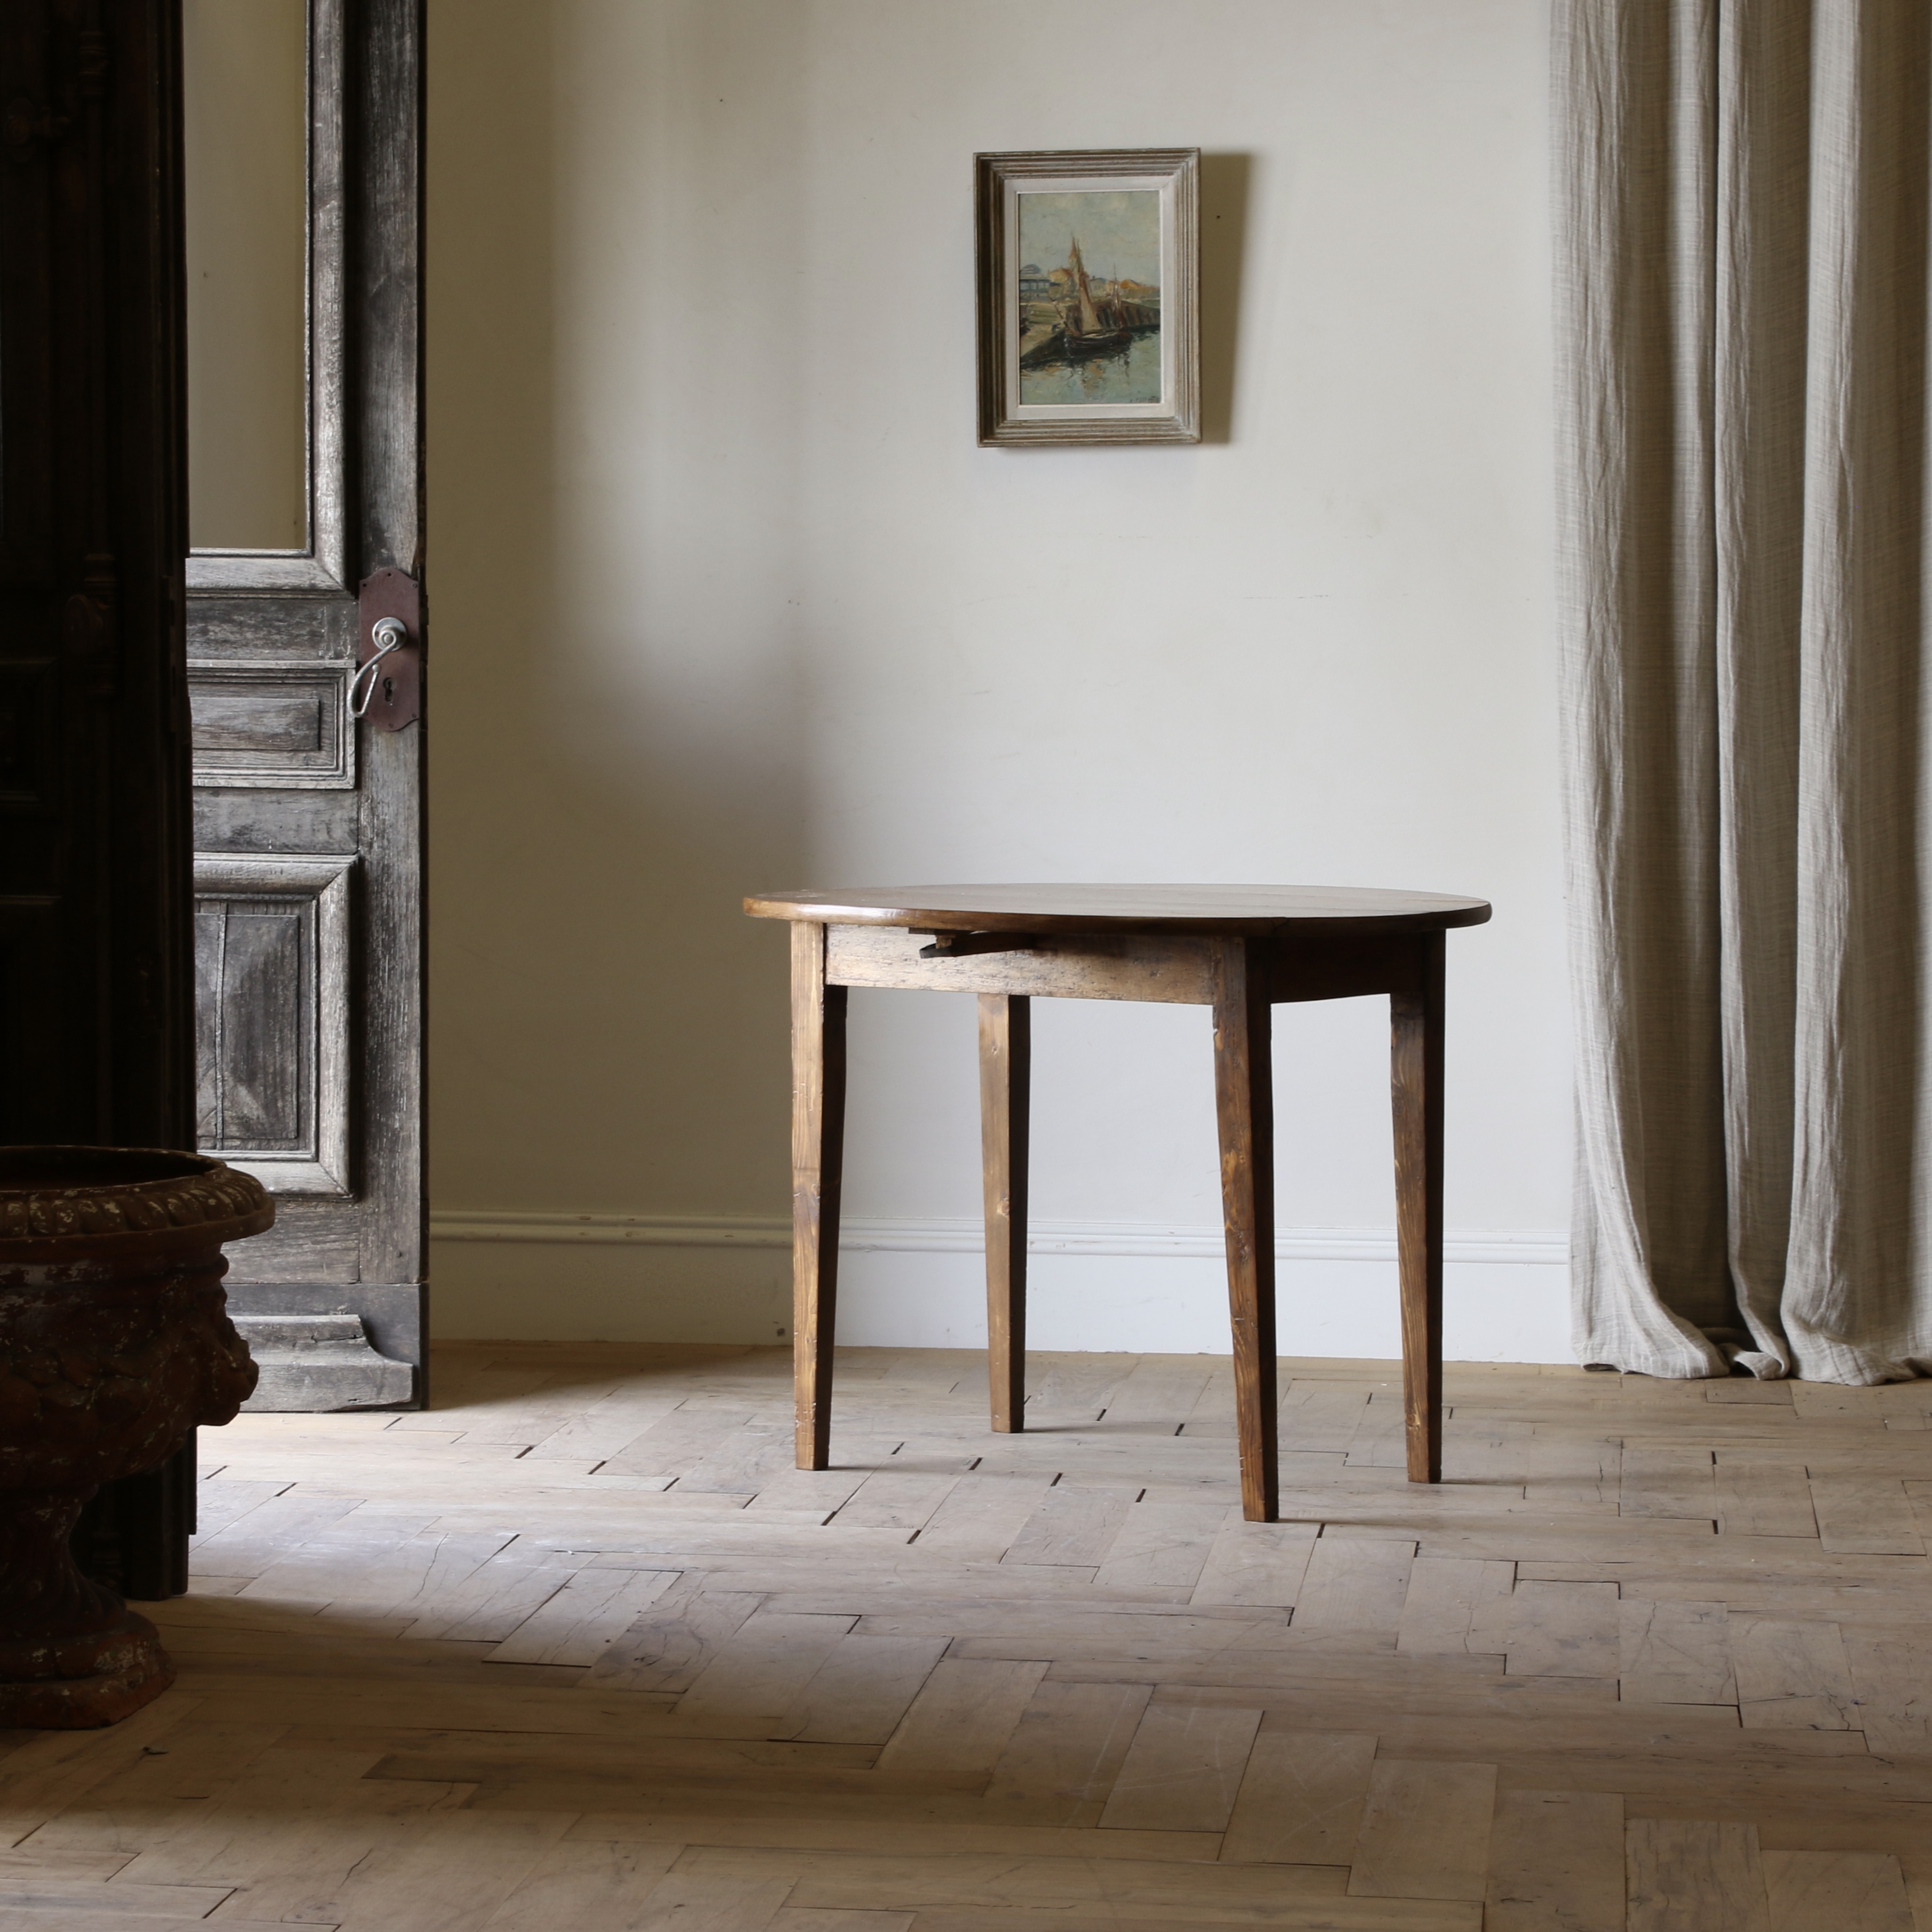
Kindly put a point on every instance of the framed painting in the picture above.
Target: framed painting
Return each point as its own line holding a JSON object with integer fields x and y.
{"x": 1089, "y": 268}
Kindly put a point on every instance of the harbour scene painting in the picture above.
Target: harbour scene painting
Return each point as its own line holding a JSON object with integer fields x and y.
{"x": 1087, "y": 265}
{"x": 1090, "y": 296}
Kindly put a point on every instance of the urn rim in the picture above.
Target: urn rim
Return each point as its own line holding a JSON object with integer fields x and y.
{"x": 61, "y": 1203}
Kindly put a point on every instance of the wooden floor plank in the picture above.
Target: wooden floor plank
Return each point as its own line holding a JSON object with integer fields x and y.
{"x": 269, "y": 1533}
{"x": 761, "y": 1672}
{"x": 1356, "y": 1586}
{"x": 1159, "y": 1393}
{"x": 1425, "y": 1831}
{"x": 220, "y": 1501}
{"x": 1667, "y": 1480}
{"x": 1919, "y": 1890}
{"x": 1556, "y": 1863}
{"x": 816, "y": 1918}
{"x": 1066, "y": 1752}
{"x": 1289, "y": 1915}
{"x": 51, "y": 1770}
{"x": 981, "y": 1515}
{"x": 1674, "y": 1653}
{"x": 1255, "y": 1563}
{"x": 308, "y": 1867}
{"x": 224, "y": 1842}
{"x": 1791, "y": 1675}
{"x": 589, "y": 1886}
{"x": 1072, "y": 1888}
{"x": 73, "y": 1900}
{"x": 959, "y": 1725}
{"x": 1379, "y": 1440}
{"x": 1564, "y": 1629}
{"x": 683, "y": 1440}
{"x": 577, "y": 1624}
{"x": 1763, "y": 1499}
{"x": 1891, "y": 1672}
{"x": 1066, "y": 1386}
{"x": 1685, "y": 1875}
{"x": 710, "y": 1901}
{"x": 927, "y": 1824}
{"x": 491, "y": 1603}
{"x": 1836, "y": 1892}
{"x": 41, "y": 1918}
{"x": 1457, "y": 1606}
{"x": 674, "y": 1641}
{"x": 896, "y": 1499}
{"x": 168, "y": 1789}
{"x": 1865, "y": 1514}
{"x": 1183, "y": 1769}
{"x": 1160, "y": 1546}
{"x": 1301, "y": 1797}
{"x": 1073, "y": 1524}
{"x": 1320, "y": 1416}
{"x": 819, "y": 1493}
{"x": 860, "y": 1694}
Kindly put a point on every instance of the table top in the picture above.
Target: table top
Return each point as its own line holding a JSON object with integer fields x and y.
{"x": 1250, "y": 911}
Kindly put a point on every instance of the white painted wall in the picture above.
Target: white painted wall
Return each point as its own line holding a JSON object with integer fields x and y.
{"x": 726, "y": 597}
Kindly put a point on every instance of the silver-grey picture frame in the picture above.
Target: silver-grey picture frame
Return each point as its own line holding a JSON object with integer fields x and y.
{"x": 1094, "y": 337}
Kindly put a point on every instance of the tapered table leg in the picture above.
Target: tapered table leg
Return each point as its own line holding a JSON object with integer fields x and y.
{"x": 1244, "y": 1099}
{"x": 1006, "y": 1073}
{"x": 817, "y": 1154}
{"x": 1416, "y": 1067}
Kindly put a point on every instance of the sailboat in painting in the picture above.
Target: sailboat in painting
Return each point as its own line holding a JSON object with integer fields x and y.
{"x": 1088, "y": 326}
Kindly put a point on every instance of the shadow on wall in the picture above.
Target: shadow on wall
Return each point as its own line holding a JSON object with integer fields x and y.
{"x": 606, "y": 1031}
{"x": 1224, "y": 225}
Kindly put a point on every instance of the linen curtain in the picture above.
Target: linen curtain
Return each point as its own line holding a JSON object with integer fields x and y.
{"x": 1743, "y": 189}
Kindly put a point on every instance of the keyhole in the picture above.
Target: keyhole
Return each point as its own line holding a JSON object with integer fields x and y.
{"x": 388, "y": 691}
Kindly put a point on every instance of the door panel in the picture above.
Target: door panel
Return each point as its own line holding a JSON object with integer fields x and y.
{"x": 273, "y": 725}
{"x": 308, "y": 821}
{"x": 273, "y": 965}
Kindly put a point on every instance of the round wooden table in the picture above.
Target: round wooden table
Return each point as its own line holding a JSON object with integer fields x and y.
{"x": 1240, "y": 949}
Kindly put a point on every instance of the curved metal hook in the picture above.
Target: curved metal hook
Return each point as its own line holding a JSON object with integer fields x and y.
{"x": 389, "y": 634}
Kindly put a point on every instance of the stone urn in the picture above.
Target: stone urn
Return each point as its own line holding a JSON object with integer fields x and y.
{"x": 114, "y": 1342}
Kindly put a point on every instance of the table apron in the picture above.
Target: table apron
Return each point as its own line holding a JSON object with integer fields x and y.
{"x": 1153, "y": 967}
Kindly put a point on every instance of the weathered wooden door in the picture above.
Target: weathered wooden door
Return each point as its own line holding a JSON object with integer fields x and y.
{"x": 303, "y": 145}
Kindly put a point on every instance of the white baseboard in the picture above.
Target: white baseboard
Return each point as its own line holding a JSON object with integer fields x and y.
{"x": 881, "y": 1234}
{"x": 1146, "y": 1287}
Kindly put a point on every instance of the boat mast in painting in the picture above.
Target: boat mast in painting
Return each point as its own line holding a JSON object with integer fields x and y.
{"x": 1083, "y": 330}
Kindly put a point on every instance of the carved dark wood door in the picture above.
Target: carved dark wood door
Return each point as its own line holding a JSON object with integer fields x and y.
{"x": 303, "y": 140}
{"x": 94, "y": 1046}
{"x": 96, "y": 1013}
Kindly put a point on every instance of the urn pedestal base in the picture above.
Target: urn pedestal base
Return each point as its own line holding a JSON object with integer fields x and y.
{"x": 82, "y": 1683}
{"x": 73, "y": 1656}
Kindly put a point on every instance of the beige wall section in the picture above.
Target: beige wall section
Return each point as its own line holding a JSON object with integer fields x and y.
{"x": 725, "y": 596}
{"x": 246, "y": 106}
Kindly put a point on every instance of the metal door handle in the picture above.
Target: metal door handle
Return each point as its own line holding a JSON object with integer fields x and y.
{"x": 389, "y": 634}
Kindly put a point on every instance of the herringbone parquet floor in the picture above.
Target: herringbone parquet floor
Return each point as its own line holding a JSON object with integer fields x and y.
{"x": 578, "y": 1651}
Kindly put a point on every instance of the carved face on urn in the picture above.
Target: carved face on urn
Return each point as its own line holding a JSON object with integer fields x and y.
{"x": 115, "y": 1340}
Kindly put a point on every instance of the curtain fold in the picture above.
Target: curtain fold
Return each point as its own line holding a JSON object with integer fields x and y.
{"x": 1744, "y": 190}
